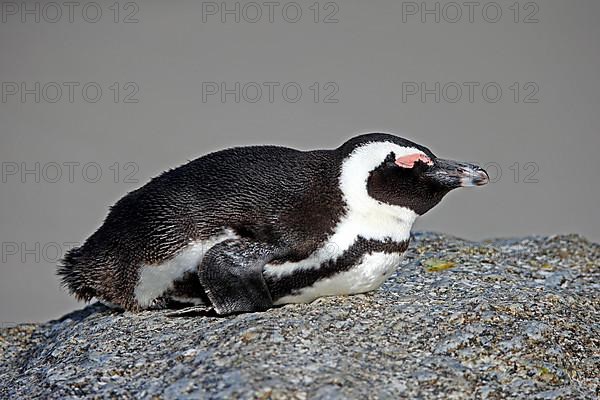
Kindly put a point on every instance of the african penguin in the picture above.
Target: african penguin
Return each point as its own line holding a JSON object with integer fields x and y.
{"x": 247, "y": 228}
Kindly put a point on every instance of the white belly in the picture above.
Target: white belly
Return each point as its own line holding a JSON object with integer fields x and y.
{"x": 154, "y": 280}
{"x": 372, "y": 270}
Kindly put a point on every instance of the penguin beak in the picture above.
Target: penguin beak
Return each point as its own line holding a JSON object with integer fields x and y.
{"x": 453, "y": 174}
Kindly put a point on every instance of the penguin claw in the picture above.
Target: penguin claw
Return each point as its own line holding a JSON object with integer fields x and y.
{"x": 194, "y": 311}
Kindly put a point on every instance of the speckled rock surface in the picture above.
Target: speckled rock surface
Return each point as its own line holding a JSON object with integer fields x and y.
{"x": 494, "y": 319}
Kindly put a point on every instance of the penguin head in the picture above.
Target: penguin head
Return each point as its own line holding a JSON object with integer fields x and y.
{"x": 397, "y": 172}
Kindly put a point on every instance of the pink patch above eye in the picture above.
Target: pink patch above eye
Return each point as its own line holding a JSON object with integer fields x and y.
{"x": 408, "y": 161}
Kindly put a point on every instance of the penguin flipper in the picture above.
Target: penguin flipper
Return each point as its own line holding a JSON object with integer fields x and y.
{"x": 231, "y": 275}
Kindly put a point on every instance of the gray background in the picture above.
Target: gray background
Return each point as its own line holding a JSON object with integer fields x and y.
{"x": 367, "y": 54}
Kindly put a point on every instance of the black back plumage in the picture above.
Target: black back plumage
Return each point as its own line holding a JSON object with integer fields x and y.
{"x": 268, "y": 193}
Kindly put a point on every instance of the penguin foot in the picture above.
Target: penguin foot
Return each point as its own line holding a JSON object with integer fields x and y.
{"x": 231, "y": 275}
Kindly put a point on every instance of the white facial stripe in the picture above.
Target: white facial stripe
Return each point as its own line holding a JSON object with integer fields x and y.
{"x": 154, "y": 280}
{"x": 357, "y": 167}
{"x": 365, "y": 217}
{"x": 368, "y": 275}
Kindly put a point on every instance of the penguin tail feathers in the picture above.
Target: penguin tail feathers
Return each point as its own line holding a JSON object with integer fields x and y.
{"x": 72, "y": 271}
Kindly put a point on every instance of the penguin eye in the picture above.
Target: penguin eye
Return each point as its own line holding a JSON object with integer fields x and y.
{"x": 390, "y": 160}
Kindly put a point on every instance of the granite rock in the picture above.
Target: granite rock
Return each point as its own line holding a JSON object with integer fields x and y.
{"x": 504, "y": 319}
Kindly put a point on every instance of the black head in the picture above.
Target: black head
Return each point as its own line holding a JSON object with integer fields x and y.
{"x": 402, "y": 173}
